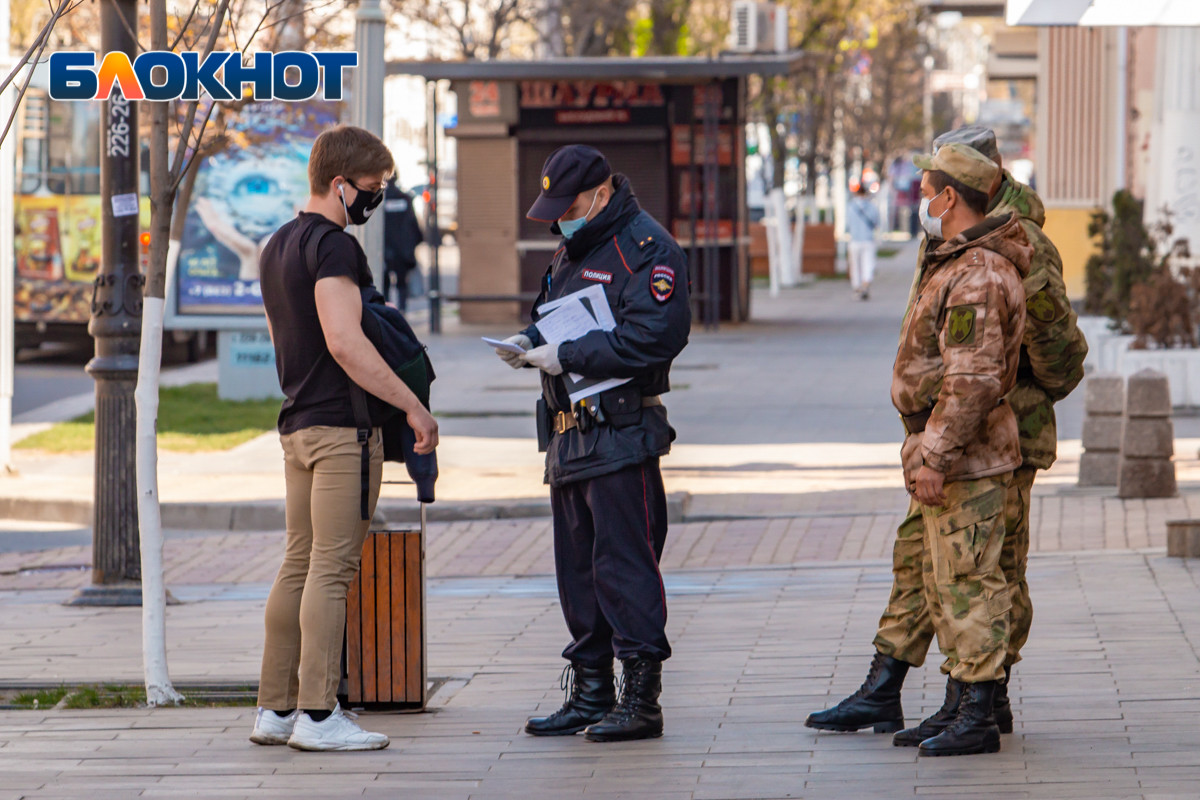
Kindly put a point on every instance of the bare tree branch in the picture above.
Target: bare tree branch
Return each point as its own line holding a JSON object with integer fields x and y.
{"x": 307, "y": 9}
{"x": 183, "y": 27}
{"x": 181, "y": 147}
{"x": 125, "y": 24}
{"x": 197, "y": 151}
{"x": 44, "y": 40}
{"x": 39, "y": 41}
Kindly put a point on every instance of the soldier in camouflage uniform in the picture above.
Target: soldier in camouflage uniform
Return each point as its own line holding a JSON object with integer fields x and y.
{"x": 957, "y": 360}
{"x": 1050, "y": 367}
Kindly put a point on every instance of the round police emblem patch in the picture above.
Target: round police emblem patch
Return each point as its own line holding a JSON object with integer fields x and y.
{"x": 545, "y": 181}
{"x": 662, "y": 282}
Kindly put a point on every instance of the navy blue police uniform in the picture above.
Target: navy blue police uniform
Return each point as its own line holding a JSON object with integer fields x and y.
{"x": 610, "y": 509}
{"x": 606, "y": 488}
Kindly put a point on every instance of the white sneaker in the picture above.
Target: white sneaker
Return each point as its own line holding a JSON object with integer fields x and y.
{"x": 337, "y": 732}
{"x": 270, "y": 728}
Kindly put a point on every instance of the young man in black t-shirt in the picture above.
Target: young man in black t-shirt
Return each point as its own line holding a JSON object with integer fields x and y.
{"x": 314, "y": 313}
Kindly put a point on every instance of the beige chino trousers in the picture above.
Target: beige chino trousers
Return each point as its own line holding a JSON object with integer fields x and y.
{"x": 306, "y": 610}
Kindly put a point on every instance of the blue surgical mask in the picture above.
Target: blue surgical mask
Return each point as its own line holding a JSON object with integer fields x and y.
{"x": 570, "y": 227}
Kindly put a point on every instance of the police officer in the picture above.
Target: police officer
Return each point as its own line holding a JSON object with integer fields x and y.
{"x": 602, "y": 454}
{"x": 401, "y": 235}
{"x": 1051, "y": 366}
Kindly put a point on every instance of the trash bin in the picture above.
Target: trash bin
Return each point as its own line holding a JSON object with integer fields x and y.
{"x": 384, "y": 657}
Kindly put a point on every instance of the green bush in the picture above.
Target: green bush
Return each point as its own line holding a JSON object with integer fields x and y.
{"x": 1127, "y": 257}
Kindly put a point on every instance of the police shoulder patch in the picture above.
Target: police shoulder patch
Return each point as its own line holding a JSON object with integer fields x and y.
{"x": 662, "y": 282}
{"x": 960, "y": 326}
{"x": 1040, "y": 306}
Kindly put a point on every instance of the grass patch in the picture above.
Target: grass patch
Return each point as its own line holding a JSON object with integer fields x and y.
{"x": 190, "y": 419}
{"x": 887, "y": 252}
{"x": 44, "y": 698}
{"x": 109, "y": 696}
{"x": 127, "y": 696}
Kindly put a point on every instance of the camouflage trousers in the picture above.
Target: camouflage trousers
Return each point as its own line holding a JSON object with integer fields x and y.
{"x": 907, "y": 626}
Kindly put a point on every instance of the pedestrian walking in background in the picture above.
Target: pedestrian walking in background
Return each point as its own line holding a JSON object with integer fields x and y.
{"x": 401, "y": 235}
{"x": 862, "y": 220}
{"x": 602, "y": 453}
{"x": 314, "y": 313}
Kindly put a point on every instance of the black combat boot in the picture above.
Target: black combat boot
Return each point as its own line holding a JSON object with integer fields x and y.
{"x": 877, "y": 701}
{"x": 1003, "y": 708}
{"x": 941, "y": 719}
{"x": 637, "y": 715}
{"x": 590, "y": 695}
{"x": 973, "y": 729}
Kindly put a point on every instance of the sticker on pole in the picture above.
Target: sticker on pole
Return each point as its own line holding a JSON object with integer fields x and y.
{"x": 125, "y": 205}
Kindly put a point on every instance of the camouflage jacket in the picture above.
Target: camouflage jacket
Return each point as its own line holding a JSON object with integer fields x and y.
{"x": 1052, "y": 353}
{"x": 959, "y": 351}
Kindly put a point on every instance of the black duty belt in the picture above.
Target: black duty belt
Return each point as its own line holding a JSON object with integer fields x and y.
{"x": 915, "y": 423}
{"x": 565, "y": 421}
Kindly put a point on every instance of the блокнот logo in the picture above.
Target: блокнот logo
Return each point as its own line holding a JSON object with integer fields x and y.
{"x": 159, "y": 75}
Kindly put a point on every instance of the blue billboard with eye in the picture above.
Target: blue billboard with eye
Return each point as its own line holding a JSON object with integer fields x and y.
{"x": 243, "y": 194}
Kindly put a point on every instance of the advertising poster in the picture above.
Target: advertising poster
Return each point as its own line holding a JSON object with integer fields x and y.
{"x": 242, "y": 195}
{"x": 57, "y": 249}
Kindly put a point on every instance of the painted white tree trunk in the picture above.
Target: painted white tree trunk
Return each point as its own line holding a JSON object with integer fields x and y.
{"x": 159, "y": 690}
{"x": 783, "y": 240}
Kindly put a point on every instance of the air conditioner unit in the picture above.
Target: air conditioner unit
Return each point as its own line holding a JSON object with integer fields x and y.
{"x": 758, "y": 27}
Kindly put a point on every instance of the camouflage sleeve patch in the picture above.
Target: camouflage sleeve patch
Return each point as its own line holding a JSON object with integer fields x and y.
{"x": 1041, "y": 307}
{"x": 962, "y": 326}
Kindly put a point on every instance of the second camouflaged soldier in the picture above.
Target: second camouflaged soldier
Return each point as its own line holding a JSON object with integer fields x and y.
{"x": 957, "y": 360}
{"x": 1050, "y": 367}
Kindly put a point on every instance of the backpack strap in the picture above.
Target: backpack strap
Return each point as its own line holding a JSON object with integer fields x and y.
{"x": 358, "y": 398}
{"x": 362, "y": 422}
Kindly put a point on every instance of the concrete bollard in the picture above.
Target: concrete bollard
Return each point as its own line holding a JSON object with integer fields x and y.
{"x": 1148, "y": 440}
{"x": 1183, "y": 538}
{"x": 1104, "y": 402}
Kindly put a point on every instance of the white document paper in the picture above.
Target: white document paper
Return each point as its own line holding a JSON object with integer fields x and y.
{"x": 507, "y": 347}
{"x": 594, "y": 300}
{"x": 570, "y": 317}
{"x": 567, "y": 322}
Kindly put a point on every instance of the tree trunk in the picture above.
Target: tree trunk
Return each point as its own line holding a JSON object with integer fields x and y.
{"x": 159, "y": 690}
{"x": 771, "y": 105}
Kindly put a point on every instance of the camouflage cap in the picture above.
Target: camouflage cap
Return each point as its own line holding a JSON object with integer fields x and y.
{"x": 965, "y": 164}
{"x": 976, "y": 137}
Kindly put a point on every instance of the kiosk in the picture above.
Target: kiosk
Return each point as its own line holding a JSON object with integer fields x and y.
{"x": 675, "y": 126}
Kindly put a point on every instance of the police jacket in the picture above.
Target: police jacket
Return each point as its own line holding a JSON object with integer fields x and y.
{"x": 645, "y": 277}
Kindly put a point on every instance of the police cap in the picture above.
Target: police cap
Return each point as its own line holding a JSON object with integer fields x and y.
{"x": 568, "y": 172}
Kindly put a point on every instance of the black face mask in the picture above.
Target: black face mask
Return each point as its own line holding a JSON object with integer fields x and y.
{"x": 358, "y": 212}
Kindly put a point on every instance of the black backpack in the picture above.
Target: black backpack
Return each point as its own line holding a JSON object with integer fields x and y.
{"x": 393, "y": 337}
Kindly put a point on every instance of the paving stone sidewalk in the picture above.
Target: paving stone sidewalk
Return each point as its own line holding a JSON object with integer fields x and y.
{"x": 852, "y": 525}
{"x": 1105, "y": 700}
{"x": 774, "y": 585}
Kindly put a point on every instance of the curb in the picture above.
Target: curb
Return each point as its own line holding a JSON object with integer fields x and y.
{"x": 268, "y": 515}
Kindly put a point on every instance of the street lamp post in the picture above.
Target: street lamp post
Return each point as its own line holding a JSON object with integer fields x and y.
{"x": 366, "y": 107}
{"x": 116, "y": 327}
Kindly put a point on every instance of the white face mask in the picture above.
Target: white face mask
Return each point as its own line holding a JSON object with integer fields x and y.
{"x": 932, "y": 225}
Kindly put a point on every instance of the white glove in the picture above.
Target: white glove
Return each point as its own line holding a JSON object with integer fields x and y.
{"x": 544, "y": 358}
{"x": 514, "y": 359}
